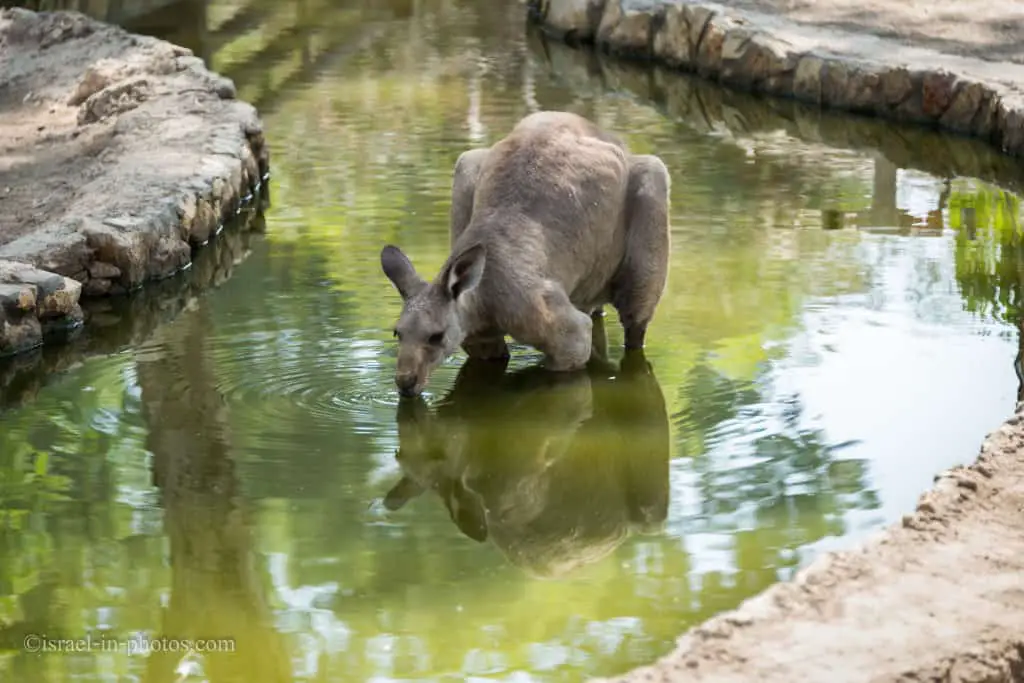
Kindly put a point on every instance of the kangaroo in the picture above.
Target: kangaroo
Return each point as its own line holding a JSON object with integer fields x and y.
{"x": 546, "y": 226}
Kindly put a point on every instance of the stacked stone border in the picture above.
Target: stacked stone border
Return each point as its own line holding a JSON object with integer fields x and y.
{"x": 759, "y": 53}
{"x": 149, "y": 222}
{"x": 121, "y": 323}
{"x": 709, "y": 109}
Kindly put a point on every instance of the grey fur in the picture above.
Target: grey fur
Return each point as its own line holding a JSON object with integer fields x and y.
{"x": 547, "y": 226}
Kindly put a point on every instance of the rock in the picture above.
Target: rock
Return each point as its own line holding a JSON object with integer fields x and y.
{"x": 17, "y": 299}
{"x": 758, "y": 62}
{"x": 115, "y": 99}
{"x": 136, "y": 221}
{"x": 936, "y": 93}
{"x": 709, "y": 49}
{"x": 575, "y": 20}
{"x": 672, "y": 38}
{"x": 61, "y": 302}
{"x": 168, "y": 257}
{"x": 96, "y": 287}
{"x": 897, "y": 85}
{"x": 126, "y": 250}
{"x": 186, "y": 214}
{"x": 985, "y": 124}
{"x": 224, "y": 87}
{"x": 807, "y": 79}
{"x": 205, "y": 222}
{"x": 850, "y": 86}
{"x": 834, "y": 67}
{"x": 625, "y": 27}
{"x": 100, "y": 269}
{"x": 1010, "y": 123}
{"x": 45, "y": 284}
{"x": 697, "y": 18}
{"x": 58, "y": 28}
{"x": 19, "y": 336}
{"x": 17, "y": 25}
{"x": 97, "y": 77}
{"x": 967, "y": 101}
{"x": 251, "y": 167}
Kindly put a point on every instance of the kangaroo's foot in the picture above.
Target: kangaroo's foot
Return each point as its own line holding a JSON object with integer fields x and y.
{"x": 571, "y": 349}
{"x": 562, "y": 332}
{"x": 635, "y": 335}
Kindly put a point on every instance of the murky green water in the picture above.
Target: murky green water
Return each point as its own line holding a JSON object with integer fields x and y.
{"x": 226, "y": 477}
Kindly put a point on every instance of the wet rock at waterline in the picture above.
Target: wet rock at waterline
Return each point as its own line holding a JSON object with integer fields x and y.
{"x": 31, "y": 298}
{"x": 119, "y": 153}
{"x": 117, "y": 323}
{"x": 846, "y": 71}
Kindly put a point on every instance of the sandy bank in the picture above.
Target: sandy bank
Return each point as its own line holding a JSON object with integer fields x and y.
{"x": 792, "y": 49}
{"x": 119, "y": 154}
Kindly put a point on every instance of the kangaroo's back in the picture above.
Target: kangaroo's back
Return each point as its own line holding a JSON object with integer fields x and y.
{"x": 554, "y": 189}
{"x": 551, "y": 166}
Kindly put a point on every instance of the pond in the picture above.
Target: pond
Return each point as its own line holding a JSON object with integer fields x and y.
{"x": 233, "y": 475}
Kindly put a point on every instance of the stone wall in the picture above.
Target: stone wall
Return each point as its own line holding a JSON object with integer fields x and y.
{"x": 759, "y": 53}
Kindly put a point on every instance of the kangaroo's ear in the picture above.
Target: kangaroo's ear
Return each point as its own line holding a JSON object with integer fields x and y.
{"x": 465, "y": 270}
{"x": 400, "y": 271}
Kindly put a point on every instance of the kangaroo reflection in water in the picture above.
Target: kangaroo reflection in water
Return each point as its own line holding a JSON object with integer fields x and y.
{"x": 556, "y": 470}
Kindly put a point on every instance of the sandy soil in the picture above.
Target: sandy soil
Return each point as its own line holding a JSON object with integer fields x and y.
{"x": 987, "y": 29}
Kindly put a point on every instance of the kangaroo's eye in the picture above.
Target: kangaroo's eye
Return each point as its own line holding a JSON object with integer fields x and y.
{"x": 436, "y": 339}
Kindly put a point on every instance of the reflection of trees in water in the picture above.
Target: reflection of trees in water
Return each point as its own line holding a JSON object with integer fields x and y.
{"x": 759, "y": 468}
{"x": 68, "y": 551}
{"x": 217, "y": 591}
{"x": 989, "y": 255}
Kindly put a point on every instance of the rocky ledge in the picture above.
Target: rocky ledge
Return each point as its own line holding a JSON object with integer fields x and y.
{"x": 119, "y": 323}
{"x": 759, "y": 52}
{"x": 119, "y": 155}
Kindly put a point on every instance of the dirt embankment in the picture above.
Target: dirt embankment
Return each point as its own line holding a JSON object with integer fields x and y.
{"x": 118, "y": 154}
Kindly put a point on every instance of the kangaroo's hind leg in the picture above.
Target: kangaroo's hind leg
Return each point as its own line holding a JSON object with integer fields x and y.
{"x": 640, "y": 281}
{"x": 489, "y": 346}
{"x": 553, "y": 325}
{"x": 464, "y": 177}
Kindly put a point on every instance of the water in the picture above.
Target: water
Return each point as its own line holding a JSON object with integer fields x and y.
{"x": 234, "y": 475}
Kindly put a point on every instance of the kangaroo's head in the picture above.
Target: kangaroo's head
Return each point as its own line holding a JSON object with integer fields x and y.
{"x": 429, "y": 328}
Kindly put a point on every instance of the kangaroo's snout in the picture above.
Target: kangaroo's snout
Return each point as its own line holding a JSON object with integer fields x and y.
{"x": 408, "y": 384}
